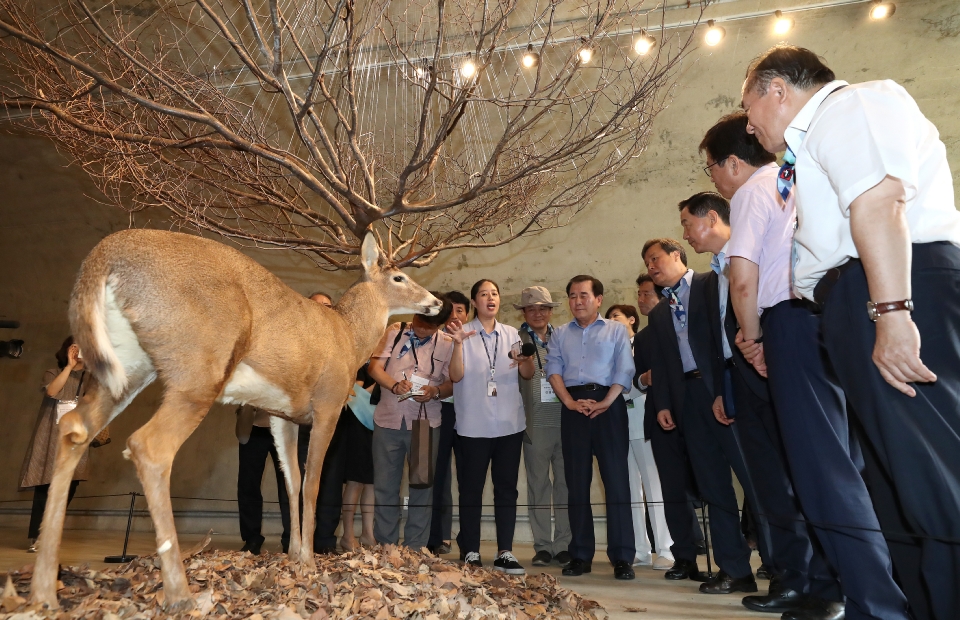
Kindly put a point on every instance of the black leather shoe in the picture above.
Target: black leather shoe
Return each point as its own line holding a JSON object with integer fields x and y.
{"x": 623, "y": 570}
{"x": 776, "y": 602}
{"x": 684, "y": 569}
{"x": 819, "y": 610}
{"x": 725, "y": 584}
{"x": 764, "y": 572}
{"x": 577, "y": 567}
{"x": 563, "y": 558}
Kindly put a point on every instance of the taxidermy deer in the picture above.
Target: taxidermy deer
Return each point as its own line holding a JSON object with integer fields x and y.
{"x": 215, "y": 326}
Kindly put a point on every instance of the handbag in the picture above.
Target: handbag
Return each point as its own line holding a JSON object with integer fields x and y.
{"x": 66, "y": 406}
{"x": 375, "y": 396}
{"x": 421, "y": 452}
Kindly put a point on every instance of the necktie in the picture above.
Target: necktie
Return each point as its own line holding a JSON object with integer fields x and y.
{"x": 676, "y": 306}
{"x": 788, "y": 175}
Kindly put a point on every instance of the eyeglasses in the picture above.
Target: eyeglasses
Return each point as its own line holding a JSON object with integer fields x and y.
{"x": 707, "y": 171}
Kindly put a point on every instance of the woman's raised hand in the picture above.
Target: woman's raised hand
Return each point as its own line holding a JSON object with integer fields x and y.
{"x": 455, "y": 331}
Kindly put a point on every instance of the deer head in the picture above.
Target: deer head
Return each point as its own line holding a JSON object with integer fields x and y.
{"x": 401, "y": 294}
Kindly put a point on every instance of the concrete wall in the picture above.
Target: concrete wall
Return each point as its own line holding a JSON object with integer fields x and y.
{"x": 50, "y": 217}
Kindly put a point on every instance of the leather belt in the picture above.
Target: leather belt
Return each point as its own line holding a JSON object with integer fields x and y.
{"x": 587, "y": 387}
{"x": 693, "y": 374}
{"x": 822, "y": 290}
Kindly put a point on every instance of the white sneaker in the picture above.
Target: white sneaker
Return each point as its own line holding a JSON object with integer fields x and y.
{"x": 662, "y": 563}
{"x": 507, "y": 563}
{"x": 646, "y": 560}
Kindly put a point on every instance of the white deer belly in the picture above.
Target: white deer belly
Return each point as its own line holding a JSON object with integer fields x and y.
{"x": 247, "y": 387}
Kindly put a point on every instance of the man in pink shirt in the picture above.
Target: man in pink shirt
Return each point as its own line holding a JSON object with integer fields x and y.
{"x": 809, "y": 405}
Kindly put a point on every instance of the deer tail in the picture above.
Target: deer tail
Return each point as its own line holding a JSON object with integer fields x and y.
{"x": 92, "y": 305}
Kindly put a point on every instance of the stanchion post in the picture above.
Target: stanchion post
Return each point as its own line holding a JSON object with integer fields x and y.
{"x": 706, "y": 536}
{"x": 123, "y": 557}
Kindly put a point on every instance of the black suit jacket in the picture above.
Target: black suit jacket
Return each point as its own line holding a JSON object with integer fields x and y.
{"x": 704, "y": 337}
{"x": 757, "y": 384}
{"x": 644, "y": 350}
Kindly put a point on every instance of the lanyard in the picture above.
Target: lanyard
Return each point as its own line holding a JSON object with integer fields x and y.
{"x": 496, "y": 347}
{"x": 413, "y": 349}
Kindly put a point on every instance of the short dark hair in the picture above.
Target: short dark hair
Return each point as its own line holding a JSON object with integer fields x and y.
{"x": 476, "y": 289}
{"x": 667, "y": 245}
{"x": 702, "y": 203}
{"x": 729, "y": 137}
{"x": 445, "y": 310}
{"x": 644, "y": 277}
{"x": 595, "y": 284}
{"x": 797, "y": 66}
{"x": 62, "y": 355}
{"x": 456, "y": 297}
{"x": 628, "y": 311}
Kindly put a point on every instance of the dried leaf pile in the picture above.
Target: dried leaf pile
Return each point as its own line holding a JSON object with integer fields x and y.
{"x": 381, "y": 583}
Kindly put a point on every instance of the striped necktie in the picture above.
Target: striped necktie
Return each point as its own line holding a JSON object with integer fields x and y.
{"x": 787, "y": 176}
{"x": 676, "y": 306}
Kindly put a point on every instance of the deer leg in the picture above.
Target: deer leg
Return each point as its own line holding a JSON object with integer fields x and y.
{"x": 77, "y": 429}
{"x": 320, "y": 436}
{"x": 152, "y": 448}
{"x": 285, "y": 439}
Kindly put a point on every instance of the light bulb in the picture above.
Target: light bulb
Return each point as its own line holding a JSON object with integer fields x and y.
{"x": 644, "y": 44}
{"x": 782, "y": 25}
{"x": 585, "y": 54}
{"x": 531, "y": 58}
{"x": 468, "y": 69}
{"x": 714, "y": 34}
{"x": 882, "y": 10}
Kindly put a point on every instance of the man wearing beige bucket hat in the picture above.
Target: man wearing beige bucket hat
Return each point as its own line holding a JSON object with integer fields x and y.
{"x": 541, "y": 447}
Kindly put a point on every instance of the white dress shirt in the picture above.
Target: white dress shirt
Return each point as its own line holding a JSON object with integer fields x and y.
{"x": 479, "y": 415}
{"x": 845, "y": 145}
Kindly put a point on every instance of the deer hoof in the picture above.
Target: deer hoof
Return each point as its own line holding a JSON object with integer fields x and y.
{"x": 46, "y": 601}
{"x": 180, "y": 606}
{"x": 308, "y": 564}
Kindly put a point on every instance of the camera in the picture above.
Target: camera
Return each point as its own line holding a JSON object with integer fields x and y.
{"x": 10, "y": 348}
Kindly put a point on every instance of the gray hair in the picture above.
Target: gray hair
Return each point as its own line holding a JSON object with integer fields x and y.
{"x": 797, "y": 66}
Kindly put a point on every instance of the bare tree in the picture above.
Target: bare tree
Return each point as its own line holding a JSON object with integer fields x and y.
{"x": 299, "y": 124}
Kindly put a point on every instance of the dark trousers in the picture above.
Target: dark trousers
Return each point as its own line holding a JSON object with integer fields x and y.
{"x": 40, "y": 504}
{"x": 607, "y": 437}
{"x": 714, "y": 450}
{"x": 501, "y": 455}
{"x": 799, "y": 562}
{"x": 330, "y": 496}
{"x": 441, "y": 525}
{"x": 916, "y": 440}
{"x": 811, "y": 410}
{"x": 676, "y": 483}
{"x": 253, "y": 458}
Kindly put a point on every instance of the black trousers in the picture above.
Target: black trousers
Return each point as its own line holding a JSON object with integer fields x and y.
{"x": 40, "y": 504}
{"x": 606, "y": 437}
{"x": 253, "y": 458}
{"x": 811, "y": 410}
{"x": 714, "y": 450}
{"x": 501, "y": 455}
{"x": 330, "y": 496}
{"x": 916, "y": 440}
{"x": 677, "y": 485}
{"x": 441, "y": 525}
{"x": 794, "y": 556}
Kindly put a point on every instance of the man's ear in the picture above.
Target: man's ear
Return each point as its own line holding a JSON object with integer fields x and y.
{"x": 734, "y": 163}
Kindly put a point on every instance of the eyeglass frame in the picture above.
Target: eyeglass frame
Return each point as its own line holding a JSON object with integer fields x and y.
{"x": 708, "y": 172}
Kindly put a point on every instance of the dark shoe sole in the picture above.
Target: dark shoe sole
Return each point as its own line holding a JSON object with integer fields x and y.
{"x": 569, "y": 573}
{"x": 771, "y": 610}
{"x": 626, "y": 577}
{"x": 745, "y": 590}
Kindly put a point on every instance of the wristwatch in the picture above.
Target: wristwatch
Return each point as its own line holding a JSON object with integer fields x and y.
{"x": 875, "y": 309}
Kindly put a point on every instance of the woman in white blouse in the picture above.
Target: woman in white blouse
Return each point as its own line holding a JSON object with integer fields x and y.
{"x": 490, "y": 423}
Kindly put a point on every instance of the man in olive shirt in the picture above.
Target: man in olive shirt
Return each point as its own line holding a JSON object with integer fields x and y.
{"x": 542, "y": 447}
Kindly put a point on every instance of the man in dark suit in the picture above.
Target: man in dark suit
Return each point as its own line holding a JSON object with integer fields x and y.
{"x": 801, "y": 571}
{"x": 669, "y": 452}
{"x": 690, "y": 369}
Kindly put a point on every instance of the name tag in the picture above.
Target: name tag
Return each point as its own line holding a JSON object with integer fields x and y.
{"x": 492, "y": 388}
{"x": 547, "y": 394}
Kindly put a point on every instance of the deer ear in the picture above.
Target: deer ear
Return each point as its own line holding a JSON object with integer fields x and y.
{"x": 370, "y": 252}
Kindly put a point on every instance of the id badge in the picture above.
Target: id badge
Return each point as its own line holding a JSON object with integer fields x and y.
{"x": 547, "y": 395}
{"x": 491, "y": 388}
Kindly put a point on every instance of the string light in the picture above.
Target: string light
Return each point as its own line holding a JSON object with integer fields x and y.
{"x": 469, "y": 68}
{"x": 882, "y": 10}
{"x": 644, "y": 43}
{"x": 585, "y": 53}
{"x": 714, "y": 34}
{"x": 531, "y": 59}
{"x": 782, "y": 25}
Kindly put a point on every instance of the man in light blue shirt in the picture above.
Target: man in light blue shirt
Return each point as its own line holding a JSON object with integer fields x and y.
{"x": 590, "y": 366}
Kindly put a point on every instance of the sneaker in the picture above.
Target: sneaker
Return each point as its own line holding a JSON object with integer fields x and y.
{"x": 472, "y": 559}
{"x": 507, "y": 563}
{"x": 646, "y": 560}
{"x": 33, "y": 546}
{"x": 563, "y": 558}
{"x": 542, "y": 558}
{"x": 662, "y": 563}
{"x": 444, "y": 548}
